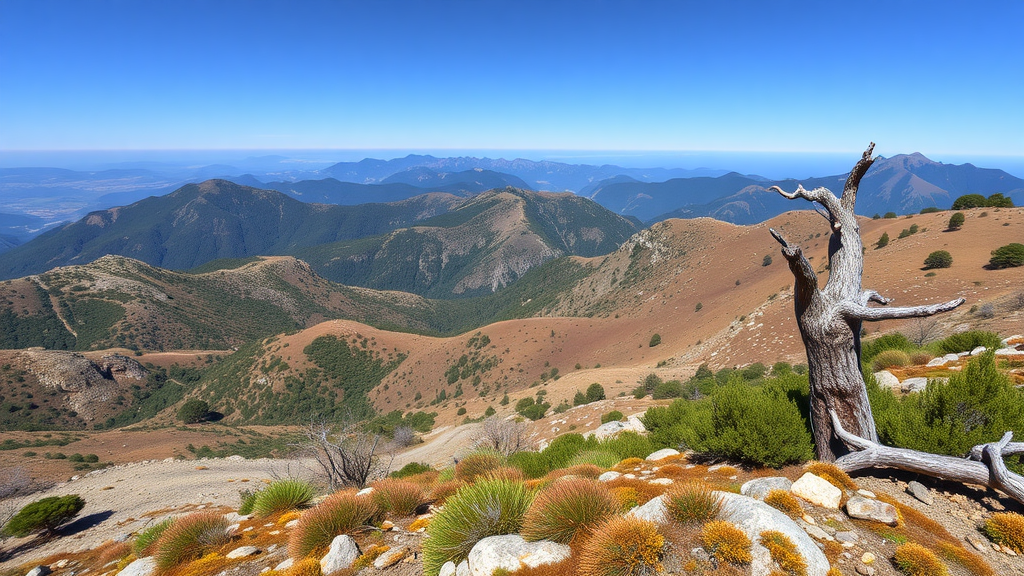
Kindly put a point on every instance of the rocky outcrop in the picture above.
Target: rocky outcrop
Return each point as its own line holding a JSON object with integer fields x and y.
{"x": 87, "y": 384}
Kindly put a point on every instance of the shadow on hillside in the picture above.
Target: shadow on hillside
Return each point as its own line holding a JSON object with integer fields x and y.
{"x": 84, "y": 523}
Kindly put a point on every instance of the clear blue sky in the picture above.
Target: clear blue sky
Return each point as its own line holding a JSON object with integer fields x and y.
{"x": 935, "y": 77}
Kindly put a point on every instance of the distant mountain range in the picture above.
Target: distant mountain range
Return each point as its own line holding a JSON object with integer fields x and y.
{"x": 458, "y": 246}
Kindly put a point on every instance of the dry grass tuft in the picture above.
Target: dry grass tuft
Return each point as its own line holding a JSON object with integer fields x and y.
{"x": 726, "y": 471}
{"x": 784, "y": 501}
{"x": 833, "y": 474}
{"x": 305, "y": 567}
{"x": 1006, "y": 529}
{"x": 628, "y": 464}
{"x": 626, "y": 497}
{"x": 398, "y": 497}
{"x": 113, "y": 551}
{"x": 784, "y": 553}
{"x": 477, "y": 464}
{"x": 567, "y": 509}
{"x": 726, "y": 542}
{"x": 340, "y": 513}
{"x": 442, "y": 491}
{"x": 672, "y": 471}
{"x": 622, "y": 546}
{"x": 692, "y": 502}
{"x": 645, "y": 491}
{"x": 916, "y": 560}
{"x": 189, "y": 538}
{"x": 506, "y": 473}
{"x": 591, "y": 471}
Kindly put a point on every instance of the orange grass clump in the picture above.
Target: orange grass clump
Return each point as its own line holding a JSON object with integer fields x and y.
{"x": 833, "y": 474}
{"x": 566, "y": 509}
{"x": 692, "y": 503}
{"x": 398, "y": 497}
{"x": 622, "y": 546}
{"x": 725, "y": 541}
{"x": 442, "y": 491}
{"x": 1006, "y": 529}
{"x": 477, "y": 464}
{"x": 506, "y": 473}
{"x": 625, "y": 496}
{"x": 785, "y": 502}
{"x": 305, "y": 567}
{"x": 784, "y": 553}
{"x": 645, "y": 491}
{"x": 671, "y": 471}
{"x": 628, "y": 464}
{"x": 189, "y": 538}
{"x": 916, "y": 560}
{"x": 113, "y": 551}
{"x": 591, "y": 471}
{"x": 340, "y": 513}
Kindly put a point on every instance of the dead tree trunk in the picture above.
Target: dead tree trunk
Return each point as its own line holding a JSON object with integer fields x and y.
{"x": 830, "y": 319}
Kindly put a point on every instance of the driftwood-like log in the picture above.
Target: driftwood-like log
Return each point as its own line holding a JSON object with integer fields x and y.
{"x": 987, "y": 470}
{"x": 830, "y": 318}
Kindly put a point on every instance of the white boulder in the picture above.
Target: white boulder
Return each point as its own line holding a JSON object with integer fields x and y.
{"x": 817, "y": 491}
{"x": 661, "y": 454}
{"x": 511, "y": 552}
{"x": 342, "y": 553}
{"x": 887, "y": 379}
{"x": 753, "y": 517}
{"x": 141, "y": 567}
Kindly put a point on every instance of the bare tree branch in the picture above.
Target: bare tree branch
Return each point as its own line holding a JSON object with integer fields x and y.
{"x": 345, "y": 455}
{"x": 862, "y": 312}
{"x": 853, "y": 180}
{"x": 872, "y": 296}
{"x": 505, "y": 436}
{"x": 822, "y": 196}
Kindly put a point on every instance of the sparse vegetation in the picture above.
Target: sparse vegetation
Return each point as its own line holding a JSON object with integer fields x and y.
{"x": 724, "y": 541}
{"x": 398, "y": 497}
{"x": 568, "y": 509}
{"x": 1006, "y": 529}
{"x": 189, "y": 538}
{"x": 692, "y": 503}
{"x": 341, "y": 513}
{"x": 622, "y": 546}
{"x": 655, "y": 340}
{"x": 1008, "y": 256}
{"x": 613, "y": 416}
{"x": 916, "y": 560}
{"x": 784, "y": 553}
{"x": 956, "y": 221}
{"x": 143, "y": 545}
{"x": 883, "y": 240}
{"x": 784, "y": 501}
{"x": 44, "y": 515}
{"x": 283, "y": 495}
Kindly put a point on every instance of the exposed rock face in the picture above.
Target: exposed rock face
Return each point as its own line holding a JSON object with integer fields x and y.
{"x": 511, "y": 553}
{"x": 87, "y": 384}
{"x": 753, "y": 517}
{"x": 760, "y": 487}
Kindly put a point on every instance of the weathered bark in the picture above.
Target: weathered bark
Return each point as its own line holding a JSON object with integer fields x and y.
{"x": 985, "y": 467}
{"x": 830, "y": 319}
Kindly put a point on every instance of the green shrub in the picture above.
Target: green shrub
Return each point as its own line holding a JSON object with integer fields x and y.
{"x": 533, "y": 464}
{"x": 143, "y": 544}
{"x": 669, "y": 389}
{"x": 44, "y": 515}
{"x": 613, "y": 416}
{"x": 567, "y": 508}
{"x": 889, "y": 359}
{"x": 76, "y": 457}
{"x": 339, "y": 513}
{"x": 655, "y": 340}
{"x": 754, "y": 371}
{"x": 938, "y": 259}
{"x": 411, "y": 469}
{"x": 627, "y": 444}
{"x": 91, "y": 458}
{"x": 579, "y": 399}
{"x": 692, "y": 503}
{"x": 760, "y": 425}
{"x": 967, "y": 341}
{"x": 1009, "y": 256}
{"x": 929, "y": 210}
{"x": 968, "y": 201}
{"x": 956, "y": 221}
{"x": 893, "y": 341}
{"x": 976, "y": 405}
{"x": 767, "y": 261}
{"x": 535, "y": 411}
{"x": 283, "y": 495}
{"x": 601, "y": 458}
{"x": 487, "y": 508}
{"x": 889, "y": 215}
{"x": 193, "y": 411}
{"x": 883, "y": 240}
{"x": 189, "y": 538}
{"x": 247, "y": 499}
{"x": 595, "y": 392}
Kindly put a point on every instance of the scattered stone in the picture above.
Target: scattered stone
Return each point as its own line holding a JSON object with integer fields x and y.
{"x": 940, "y": 361}
{"x": 817, "y": 491}
{"x": 1009, "y": 352}
{"x": 391, "y": 557}
{"x": 978, "y": 350}
{"x": 242, "y": 552}
{"x": 629, "y": 476}
{"x": 462, "y": 569}
{"x": 887, "y": 379}
{"x": 292, "y": 523}
{"x": 921, "y": 492}
{"x": 753, "y": 517}
{"x": 867, "y": 558}
{"x": 864, "y": 570}
{"x": 235, "y": 458}
{"x": 808, "y": 519}
{"x": 700, "y": 555}
{"x": 817, "y": 533}
{"x": 663, "y": 453}
{"x": 511, "y": 552}
{"x": 867, "y": 509}
{"x": 365, "y": 491}
{"x": 141, "y": 567}
{"x": 914, "y": 384}
{"x": 760, "y": 487}
{"x": 342, "y": 554}
{"x": 847, "y": 536}
{"x": 40, "y": 570}
{"x": 284, "y": 565}
{"x": 653, "y": 511}
{"x": 951, "y": 357}
{"x": 234, "y": 517}
{"x": 866, "y": 493}
{"x": 387, "y": 525}
{"x": 978, "y": 543}
{"x": 61, "y": 563}
{"x": 661, "y": 481}
{"x": 233, "y": 528}
{"x": 609, "y": 429}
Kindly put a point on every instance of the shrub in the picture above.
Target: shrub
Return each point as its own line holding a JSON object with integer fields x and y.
{"x": 883, "y": 241}
{"x": 834, "y": 474}
{"x": 339, "y": 513}
{"x": 622, "y": 546}
{"x": 929, "y": 210}
{"x": 976, "y": 405}
{"x": 893, "y": 341}
{"x": 967, "y": 341}
{"x": 143, "y": 544}
{"x": 487, "y": 508}
{"x": 889, "y": 215}
{"x": 535, "y": 411}
{"x": 726, "y": 542}
{"x": 411, "y": 469}
{"x": 602, "y": 458}
{"x": 938, "y": 259}
{"x": 595, "y": 392}
{"x": 283, "y": 495}
{"x": 567, "y": 508}
{"x": 784, "y": 501}
{"x": 698, "y": 307}
{"x": 442, "y": 490}
{"x": 692, "y": 503}
{"x": 628, "y": 444}
{"x": 477, "y": 464}
{"x": 969, "y": 201}
{"x": 956, "y": 221}
{"x": 189, "y": 537}
{"x": 890, "y": 359}
{"x": 1009, "y": 256}
{"x": 655, "y": 340}
{"x": 247, "y": 499}
{"x": 193, "y": 411}
{"x": 44, "y": 515}
{"x": 399, "y": 497}
{"x": 784, "y": 552}
{"x": 613, "y": 416}
{"x": 1006, "y": 529}
{"x": 670, "y": 389}
{"x": 916, "y": 560}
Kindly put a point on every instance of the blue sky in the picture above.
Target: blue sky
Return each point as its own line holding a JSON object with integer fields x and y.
{"x": 936, "y": 77}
